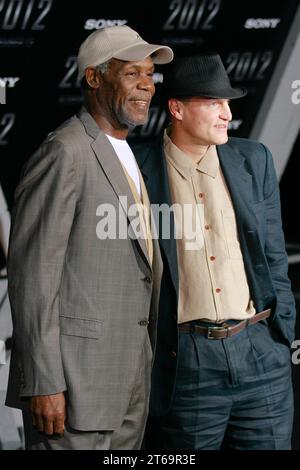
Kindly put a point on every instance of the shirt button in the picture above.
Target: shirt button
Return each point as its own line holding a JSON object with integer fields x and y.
{"x": 201, "y": 195}
{"x": 207, "y": 227}
{"x": 212, "y": 258}
{"x": 173, "y": 354}
{"x": 218, "y": 290}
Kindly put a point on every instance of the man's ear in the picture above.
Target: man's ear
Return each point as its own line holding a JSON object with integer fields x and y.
{"x": 93, "y": 77}
{"x": 175, "y": 108}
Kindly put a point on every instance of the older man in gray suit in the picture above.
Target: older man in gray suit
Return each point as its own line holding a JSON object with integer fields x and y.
{"x": 84, "y": 305}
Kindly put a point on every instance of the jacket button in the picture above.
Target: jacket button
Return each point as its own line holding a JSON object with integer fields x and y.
{"x": 148, "y": 279}
{"x": 144, "y": 322}
{"x": 173, "y": 354}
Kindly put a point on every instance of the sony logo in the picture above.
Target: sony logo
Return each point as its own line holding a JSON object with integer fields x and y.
{"x": 262, "y": 23}
{"x": 92, "y": 23}
{"x": 8, "y": 81}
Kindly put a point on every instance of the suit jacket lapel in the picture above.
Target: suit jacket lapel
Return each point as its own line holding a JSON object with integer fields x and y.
{"x": 154, "y": 170}
{"x": 112, "y": 167}
{"x": 239, "y": 182}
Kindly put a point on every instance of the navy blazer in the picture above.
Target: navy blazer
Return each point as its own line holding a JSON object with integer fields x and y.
{"x": 250, "y": 175}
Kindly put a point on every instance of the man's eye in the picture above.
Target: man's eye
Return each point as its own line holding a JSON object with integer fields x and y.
{"x": 131, "y": 74}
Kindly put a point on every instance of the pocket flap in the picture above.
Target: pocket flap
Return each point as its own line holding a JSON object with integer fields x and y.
{"x": 83, "y": 327}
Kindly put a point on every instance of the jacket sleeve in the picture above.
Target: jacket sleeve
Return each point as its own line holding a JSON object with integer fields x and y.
{"x": 283, "y": 320}
{"x": 41, "y": 222}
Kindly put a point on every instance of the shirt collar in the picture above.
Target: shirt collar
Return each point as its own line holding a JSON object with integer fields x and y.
{"x": 209, "y": 164}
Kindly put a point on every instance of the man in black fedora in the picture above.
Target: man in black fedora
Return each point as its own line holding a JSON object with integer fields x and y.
{"x": 222, "y": 375}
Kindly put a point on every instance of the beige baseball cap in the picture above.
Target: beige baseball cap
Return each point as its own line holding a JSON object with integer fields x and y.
{"x": 119, "y": 42}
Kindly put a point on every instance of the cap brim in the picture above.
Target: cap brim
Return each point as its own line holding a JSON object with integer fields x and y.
{"x": 161, "y": 54}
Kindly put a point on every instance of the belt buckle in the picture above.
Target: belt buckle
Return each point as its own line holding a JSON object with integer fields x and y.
{"x": 210, "y": 330}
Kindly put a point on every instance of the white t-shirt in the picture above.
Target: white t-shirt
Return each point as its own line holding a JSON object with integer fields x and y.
{"x": 127, "y": 159}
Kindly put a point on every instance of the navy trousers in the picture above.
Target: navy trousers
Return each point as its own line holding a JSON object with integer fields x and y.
{"x": 234, "y": 393}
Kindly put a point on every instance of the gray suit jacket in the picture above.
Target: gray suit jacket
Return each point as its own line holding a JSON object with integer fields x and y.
{"x": 79, "y": 304}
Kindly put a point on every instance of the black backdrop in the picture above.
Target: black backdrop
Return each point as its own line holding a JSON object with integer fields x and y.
{"x": 39, "y": 40}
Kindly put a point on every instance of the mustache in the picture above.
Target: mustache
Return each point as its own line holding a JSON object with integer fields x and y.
{"x": 143, "y": 97}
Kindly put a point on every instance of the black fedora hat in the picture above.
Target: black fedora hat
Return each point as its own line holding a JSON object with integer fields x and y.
{"x": 201, "y": 75}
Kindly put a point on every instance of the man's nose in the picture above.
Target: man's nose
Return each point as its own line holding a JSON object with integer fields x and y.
{"x": 146, "y": 83}
{"x": 226, "y": 112}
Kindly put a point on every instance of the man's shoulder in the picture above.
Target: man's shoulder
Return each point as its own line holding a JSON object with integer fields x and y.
{"x": 69, "y": 140}
{"x": 255, "y": 153}
{"x": 245, "y": 145}
{"x": 57, "y": 147}
{"x": 69, "y": 132}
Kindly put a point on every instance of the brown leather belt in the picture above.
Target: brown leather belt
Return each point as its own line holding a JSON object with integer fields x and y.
{"x": 224, "y": 331}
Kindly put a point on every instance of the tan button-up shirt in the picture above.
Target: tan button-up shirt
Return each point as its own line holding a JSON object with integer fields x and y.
{"x": 212, "y": 278}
